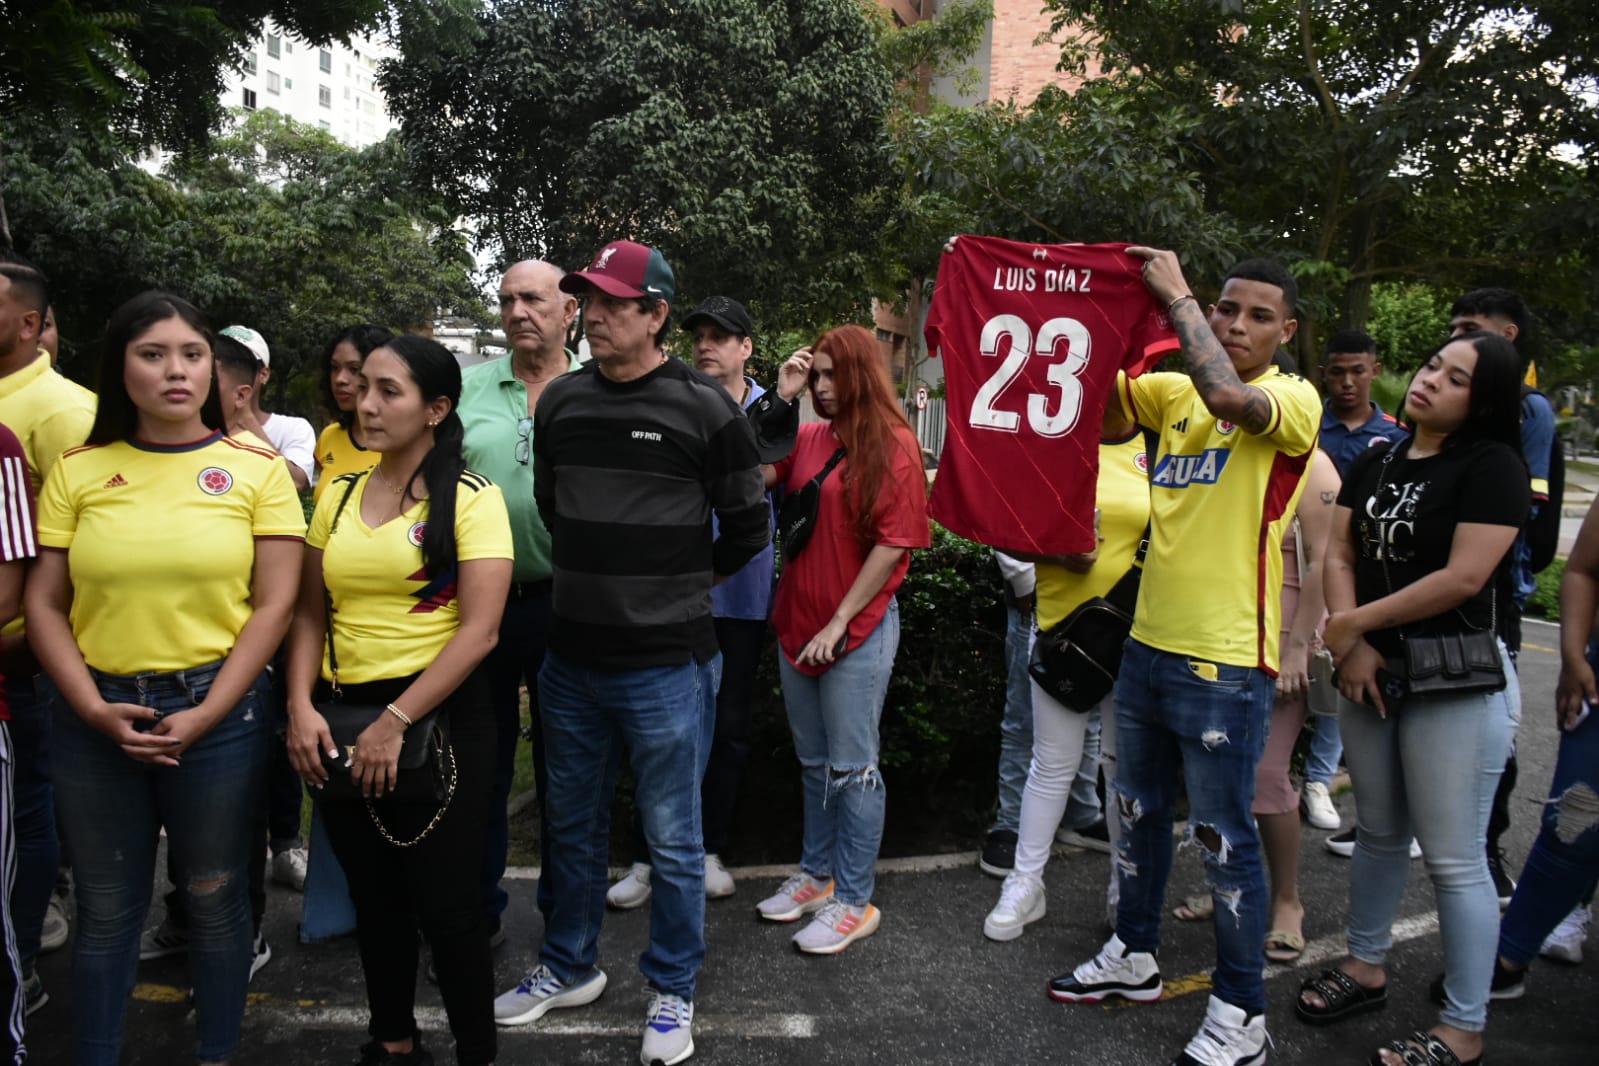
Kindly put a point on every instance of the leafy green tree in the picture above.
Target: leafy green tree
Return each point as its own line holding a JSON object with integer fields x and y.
{"x": 1407, "y": 321}
{"x": 744, "y": 139}
{"x": 1372, "y": 140}
{"x": 151, "y": 72}
{"x": 277, "y": 225}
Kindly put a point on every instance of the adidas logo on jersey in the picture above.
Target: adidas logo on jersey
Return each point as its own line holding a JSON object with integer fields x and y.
{"x": 1180, "y": 471}
{"x": 116, "y": 482}
{"x": 1180, "y": 427}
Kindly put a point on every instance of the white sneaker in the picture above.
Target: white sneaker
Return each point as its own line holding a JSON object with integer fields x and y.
{"x": 57, "y": 927}
{"x": 541, "y": 991}
{"x": 1565, "y": 943}
{"x": 836, "y": 926}
{"x": 668, "y": 1030}
{"x": 718, "y": 882}
{"x": 800, "y": 895}
{"x": 1318, "y": 804}
{"x": 1115, "y": 971}
{"x": 288, "y": 868}
{"x": 1227, "y": 1037}
{"x": 632, "y": 889}
{"x": 260, "y": 956}
{"x": 1020, "y": 901}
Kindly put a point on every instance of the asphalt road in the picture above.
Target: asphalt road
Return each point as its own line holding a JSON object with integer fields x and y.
{"x": 927, "y": 989}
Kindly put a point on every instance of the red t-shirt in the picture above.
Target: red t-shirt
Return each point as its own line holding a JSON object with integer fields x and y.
{"x": 16, "y": 516}
{"x": 1032, "y": 337}
{"x": 813, "y": 583}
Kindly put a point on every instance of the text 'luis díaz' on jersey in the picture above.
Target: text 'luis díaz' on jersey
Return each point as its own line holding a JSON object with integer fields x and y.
{"x": 1032, "y": 336}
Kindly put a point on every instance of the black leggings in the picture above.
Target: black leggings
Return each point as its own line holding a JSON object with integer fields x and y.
{"x": 432, "y": 887}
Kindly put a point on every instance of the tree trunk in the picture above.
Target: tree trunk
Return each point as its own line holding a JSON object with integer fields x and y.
{"x": 5, "y": 224}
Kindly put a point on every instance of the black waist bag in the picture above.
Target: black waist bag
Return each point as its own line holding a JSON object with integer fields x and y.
{"x": 796, "y": 519}
{"x": 1077, "y": 660}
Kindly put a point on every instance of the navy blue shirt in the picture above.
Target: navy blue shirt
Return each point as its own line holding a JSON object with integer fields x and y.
{"x": 1343, "y": 445}
{"x": 748, "y": 593}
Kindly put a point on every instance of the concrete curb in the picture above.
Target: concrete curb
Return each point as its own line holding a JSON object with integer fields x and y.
{"x": 908, "y": 864}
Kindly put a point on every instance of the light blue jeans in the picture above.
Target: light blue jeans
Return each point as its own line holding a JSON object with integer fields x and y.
{"x": 1430, "y": 770}
{"x": 1326, "y": 748}
{"x": 834, "y": 720}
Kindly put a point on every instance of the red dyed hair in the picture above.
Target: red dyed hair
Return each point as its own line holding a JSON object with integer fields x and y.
{"x": 868, "y": 420}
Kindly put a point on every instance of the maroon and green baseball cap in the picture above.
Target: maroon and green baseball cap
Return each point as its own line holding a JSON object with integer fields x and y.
{"x": 628, "y": 270}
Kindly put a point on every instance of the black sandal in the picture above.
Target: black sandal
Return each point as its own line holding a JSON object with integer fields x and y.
{"x": 1341, "y": 996}
{"x": 1422, "y": 1049}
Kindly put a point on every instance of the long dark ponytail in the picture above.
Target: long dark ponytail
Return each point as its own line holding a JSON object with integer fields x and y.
{"x": 436, "y": 373}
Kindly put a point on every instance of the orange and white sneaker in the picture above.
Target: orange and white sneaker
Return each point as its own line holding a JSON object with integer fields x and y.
{"x": 800, "y": 895}
{"x": 837, "y": 926}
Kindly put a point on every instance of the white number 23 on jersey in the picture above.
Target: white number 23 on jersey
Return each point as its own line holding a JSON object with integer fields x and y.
{"x": 1062, "y": 374}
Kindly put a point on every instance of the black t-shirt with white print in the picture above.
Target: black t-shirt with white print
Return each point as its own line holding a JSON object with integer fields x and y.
{"x": 1407, "y": 509}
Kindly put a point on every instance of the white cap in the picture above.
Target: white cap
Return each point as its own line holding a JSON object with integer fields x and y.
{"x": 251, "y": 340}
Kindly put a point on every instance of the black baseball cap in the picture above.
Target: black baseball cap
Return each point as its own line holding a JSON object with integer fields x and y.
{"x": 725, "y": 312}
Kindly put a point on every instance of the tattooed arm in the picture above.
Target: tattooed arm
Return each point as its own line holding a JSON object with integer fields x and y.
{"x": 1224, "y": 393}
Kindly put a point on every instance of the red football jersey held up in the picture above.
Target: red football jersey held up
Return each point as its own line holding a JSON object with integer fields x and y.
{"x": 1032, "y": 336}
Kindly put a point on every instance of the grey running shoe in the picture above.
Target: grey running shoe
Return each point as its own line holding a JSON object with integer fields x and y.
{"x": 541, "y": 991}
{"x": 668, "y": 1030}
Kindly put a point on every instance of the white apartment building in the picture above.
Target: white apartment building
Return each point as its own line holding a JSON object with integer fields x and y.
{"x": 333, "y": 88}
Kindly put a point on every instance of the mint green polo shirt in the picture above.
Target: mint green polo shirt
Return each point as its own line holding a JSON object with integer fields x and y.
{"x": 493, "y": 403}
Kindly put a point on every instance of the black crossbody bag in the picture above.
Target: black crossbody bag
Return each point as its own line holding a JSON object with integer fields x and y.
{"x": 427, "y": 766}
{"x": 1448, "y": 664}
{"x": 1076, "y": 661}
{"x": 796, "y": 520}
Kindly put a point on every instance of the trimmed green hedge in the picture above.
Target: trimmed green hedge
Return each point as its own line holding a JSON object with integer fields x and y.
{"x": 940, "y": 726}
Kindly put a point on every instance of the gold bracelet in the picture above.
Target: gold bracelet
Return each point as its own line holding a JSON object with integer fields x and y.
{"x": 401, "y": 715}
{"x": 1185, "y": 296}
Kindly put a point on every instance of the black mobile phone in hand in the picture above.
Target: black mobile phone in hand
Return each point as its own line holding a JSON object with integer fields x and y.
{"x": 1394, "y": 687}
{"x": 843, "y": 642}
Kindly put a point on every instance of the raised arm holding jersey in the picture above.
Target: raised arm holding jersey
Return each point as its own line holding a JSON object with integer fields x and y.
{"x": 1196, "y": 684}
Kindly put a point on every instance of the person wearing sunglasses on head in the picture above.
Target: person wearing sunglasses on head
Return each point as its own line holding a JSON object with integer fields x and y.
{"x": 497, "y": 402}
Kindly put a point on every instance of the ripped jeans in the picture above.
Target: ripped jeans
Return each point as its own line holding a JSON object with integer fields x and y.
{"x": 834, "y": 720}
{"x": 1564, "y": 861}
{"x": 112, "y": 809}
{"x": 1209, "y": 720}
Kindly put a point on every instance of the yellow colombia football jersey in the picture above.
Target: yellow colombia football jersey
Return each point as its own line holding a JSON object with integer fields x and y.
{"x": 1122, "y": 497}
{"x": 160, "y": 543}
{"x": 390, "y": 617}
{"x": 337, "y": 454}
{"x": 1220, "y": 497}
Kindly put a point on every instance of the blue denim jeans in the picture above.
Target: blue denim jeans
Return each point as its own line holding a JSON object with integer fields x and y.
{"x": 1326, "y": 748}
{"x": 112, "y": 809}
{"x": 1210, "y": 720}
{"x": 326, "y": 910}
{"x": 834, "y": 720}
{"x": 34, "y": 820}
{"x": 1429, "y": 770}
{"x": 1016, "y": 727}
{"x": 662, "y": 717}
{"x": 1564, "y": 861}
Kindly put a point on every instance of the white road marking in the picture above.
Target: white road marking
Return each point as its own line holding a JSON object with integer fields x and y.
{"x": 432, "y": 1019}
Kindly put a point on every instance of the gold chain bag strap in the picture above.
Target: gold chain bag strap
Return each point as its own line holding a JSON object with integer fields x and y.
{"x": 427, "y": 763}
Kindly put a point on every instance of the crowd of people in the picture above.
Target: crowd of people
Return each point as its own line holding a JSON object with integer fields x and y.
{"x": 196, "y": 655}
